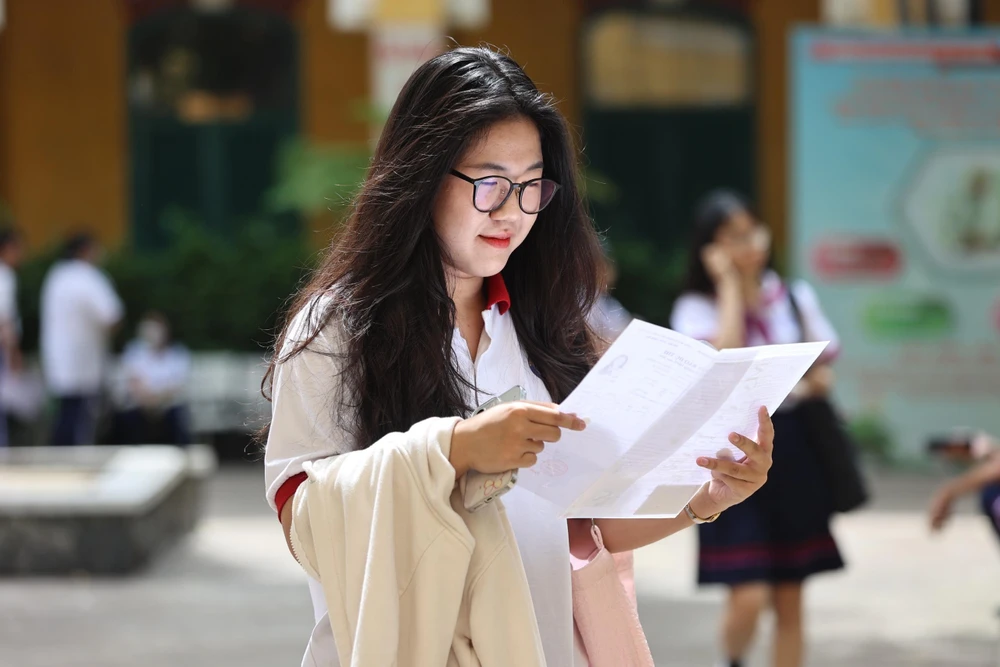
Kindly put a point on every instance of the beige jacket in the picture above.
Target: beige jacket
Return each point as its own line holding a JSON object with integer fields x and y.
{"x": 410, "y": 577}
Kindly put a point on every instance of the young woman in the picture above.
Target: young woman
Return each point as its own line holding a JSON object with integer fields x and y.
{"x": 468, "y": 265}
{"x": 768, "y": 546}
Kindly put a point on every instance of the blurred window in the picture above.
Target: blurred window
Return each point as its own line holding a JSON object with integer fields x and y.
{"x": 212, "y": 97}
{"x": 669, "y": 114}
{"x": 635, "y": 60}
{"x": 207, "y": 66}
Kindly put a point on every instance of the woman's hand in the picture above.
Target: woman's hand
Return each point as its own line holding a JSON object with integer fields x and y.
{"x": 509, "y": 436}
{"x": 819, "y": 381}
{"x": 718, "y": 263}
{"x": 940, "y": 510}
{"x": 735, "y": 481}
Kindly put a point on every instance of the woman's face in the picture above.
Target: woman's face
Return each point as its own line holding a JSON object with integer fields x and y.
{"x": 478, "y": 245}
{"x": 746, "y": 241}
{"x": 153, "y": 332}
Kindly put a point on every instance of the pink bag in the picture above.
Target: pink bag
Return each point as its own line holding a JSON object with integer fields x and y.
{"x": 626, "y": 572}
{"x": 604, "y": 613}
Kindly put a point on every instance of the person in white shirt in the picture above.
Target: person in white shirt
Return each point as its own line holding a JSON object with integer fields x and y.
{"x": 767, "y": 547}
{"x": 79, "y": 311}
{"x": 11, "y": 253}
{"x": 156, "y": 372}
{"x": 468, "y": 266}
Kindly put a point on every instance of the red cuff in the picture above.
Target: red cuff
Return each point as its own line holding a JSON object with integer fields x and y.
{"x": 287, "y": 490}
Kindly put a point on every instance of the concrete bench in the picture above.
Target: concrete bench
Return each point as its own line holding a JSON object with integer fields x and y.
{"x": 101, "y": 510}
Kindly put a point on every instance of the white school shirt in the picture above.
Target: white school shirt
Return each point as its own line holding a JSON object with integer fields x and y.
{"x": 159, "y": 370}
{"x": 8, "y": 297}
{"x": 697, "y": 315}
{"x": 78, "y": 308}
{"x": 303, "y": 429}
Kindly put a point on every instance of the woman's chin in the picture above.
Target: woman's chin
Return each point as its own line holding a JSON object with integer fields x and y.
{"x": 487, "y": 265}
{"x": 480, "y": 271}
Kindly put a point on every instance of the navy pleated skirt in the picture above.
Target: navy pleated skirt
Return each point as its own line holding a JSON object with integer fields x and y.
{"x": 781, "y": 534}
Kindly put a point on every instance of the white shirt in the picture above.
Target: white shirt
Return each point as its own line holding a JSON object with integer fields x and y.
{"x": 8, "y": 297}
{"x": 78, "y": 308}
{"x": 303, "y": 429}
{"x": 774, "y": 322}
{"x": 697, "y": 315}
{"x": 159, "y": 371}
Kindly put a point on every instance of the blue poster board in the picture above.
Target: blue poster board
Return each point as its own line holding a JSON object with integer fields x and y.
{"x": 895, "y": 220}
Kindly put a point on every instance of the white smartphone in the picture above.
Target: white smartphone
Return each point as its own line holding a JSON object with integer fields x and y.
{"x": 480, "y": 489}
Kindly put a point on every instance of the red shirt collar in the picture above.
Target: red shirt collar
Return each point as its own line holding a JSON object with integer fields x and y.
{"x": 497, "y": 294}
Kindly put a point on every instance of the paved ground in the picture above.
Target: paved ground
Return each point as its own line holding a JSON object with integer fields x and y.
{"x": 906, "y": 599}
{"x": 231, "y": 597}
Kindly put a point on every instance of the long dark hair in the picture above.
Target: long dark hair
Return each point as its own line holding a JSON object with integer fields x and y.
{"x": 711, "y": 213}
{"x": 384, "y": 272}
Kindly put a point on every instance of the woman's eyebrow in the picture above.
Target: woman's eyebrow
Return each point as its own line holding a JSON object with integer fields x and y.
{"x": 484, "y": 166}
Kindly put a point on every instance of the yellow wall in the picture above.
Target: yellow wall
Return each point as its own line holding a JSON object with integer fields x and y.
{"x": 991, "y": 11}
{"x": 334, "y": 75}
{"x": 542, "y": 36}
{"x": 335, "y": 64}
{"x": 62, "y": 117}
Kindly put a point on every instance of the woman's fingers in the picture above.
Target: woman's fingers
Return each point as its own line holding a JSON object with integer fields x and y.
{"x": 551, "y": 406}
{"x": 765, "y": 430}
{"x": 717, "y": 465}
{"x": 534, "y": 446}
{"x": 543, "y": 433}
{"x": 744, "y": 444}
{"x": 741, "y": 487}
{"x": 730, "y": 468}
{"x": 551, "y": 416}
{"x": 760, "y": 450}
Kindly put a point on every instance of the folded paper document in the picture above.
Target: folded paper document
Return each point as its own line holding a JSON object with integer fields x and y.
{"x": 655, "y": 402}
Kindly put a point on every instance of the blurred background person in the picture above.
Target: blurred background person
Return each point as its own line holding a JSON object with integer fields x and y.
{"x": 79, "y": 312}
{"x": 767, "y": 547}
{"x": 983, "y": 477}
{"x": 11, "y": 254}
{"x": 156, "y": 370}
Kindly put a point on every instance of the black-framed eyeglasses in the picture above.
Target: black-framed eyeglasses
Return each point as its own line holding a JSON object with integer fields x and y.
{"x": 491, "y": 192}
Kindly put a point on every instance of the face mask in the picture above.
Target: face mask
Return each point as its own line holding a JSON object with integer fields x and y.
{"x": 152, "y": 333}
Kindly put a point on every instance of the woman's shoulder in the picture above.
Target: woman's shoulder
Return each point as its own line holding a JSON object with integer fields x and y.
{"x": 318, "y": 325}
{"x": 179, "y": 352}
{"x": 694, "y": 314}
{"x": 802, "y": 292}
{"x": 694, "y": 301}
